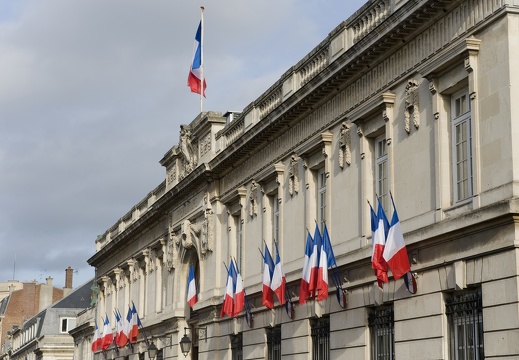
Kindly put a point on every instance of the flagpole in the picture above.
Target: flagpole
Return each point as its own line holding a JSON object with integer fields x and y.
{"x": 202, "y": 59}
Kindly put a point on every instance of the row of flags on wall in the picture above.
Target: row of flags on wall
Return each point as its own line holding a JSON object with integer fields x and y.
{"x": 126, "y": 331}
{"x": 319, "y": 267}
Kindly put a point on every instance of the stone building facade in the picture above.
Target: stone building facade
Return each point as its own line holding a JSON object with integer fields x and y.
{"x": 410, "y": 98}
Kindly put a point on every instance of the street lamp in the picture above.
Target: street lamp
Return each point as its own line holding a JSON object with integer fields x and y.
{"x": 185, "y": 344}
{"x": 152, "y": 350}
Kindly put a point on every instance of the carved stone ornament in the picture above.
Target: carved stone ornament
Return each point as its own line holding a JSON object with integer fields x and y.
{"x": 208, "y": 227}
{"x": 187, "y": 150}
{"x": 293, "y": 175}
{"x": 345, "y": 145}
{"x": 253, "y": 199}
{"x": 412, "y": 105}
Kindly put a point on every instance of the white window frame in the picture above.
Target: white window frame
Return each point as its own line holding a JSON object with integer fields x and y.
{"x": 382, "y": 171}
{"x": 321, "y": 197}
{"x": 461, "y": 147}
{"x": 71, "y": 324}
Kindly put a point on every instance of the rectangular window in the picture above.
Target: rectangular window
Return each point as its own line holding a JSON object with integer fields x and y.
{"x": 381, "y": 171}
{"x": 321, "y": 339}
{"x": 461, "y": 146}
{"x": 275, "y": 219}
{"x": 274, "y": 343}
{"x": 465, "y": 319}
{"x": 381, "y": 326}
{"x": 67, "y": 324}
{"x": 237, "y": 347}
{"x": 239, "y": 241}
{"x": 321, "y": 197}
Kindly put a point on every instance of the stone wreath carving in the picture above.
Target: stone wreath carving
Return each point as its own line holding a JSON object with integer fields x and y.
{"x": 345, "y": 145}
{"x": 293, "y": 175}
{"x": 412, "y": 105}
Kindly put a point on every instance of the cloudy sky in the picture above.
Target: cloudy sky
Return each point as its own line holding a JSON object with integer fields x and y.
{"x": 92, "y": 94}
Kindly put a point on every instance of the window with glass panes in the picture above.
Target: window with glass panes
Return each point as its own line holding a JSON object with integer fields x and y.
{"x": 274, "y": 343}
{"x": 320, "y": 332}
{"x": 461, "y": 146}
{"x": 465, "y": 318}
{"x": 275, "y": 219}
{"x": 381, "y": 171}
{"x": 381, "y": 326}
{"x": 237, "y": 347}
{"x": 321, "y": 197}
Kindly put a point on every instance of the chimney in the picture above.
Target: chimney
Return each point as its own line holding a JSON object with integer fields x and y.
{"x": 68, "y": 281}
{"x": 46, "y": 291}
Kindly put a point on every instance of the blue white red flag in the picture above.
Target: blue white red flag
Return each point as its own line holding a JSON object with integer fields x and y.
{"x": 239, "y": 293}
{"x": 395, "y": 252}
{"x": 304, "y": 289}
{"x": 314, "y": 260}
{"x": 192, "y": 297}
{"x": 322, "y": 274}
{"x": 108, "y": 336}
{"x": 194, "y": 80}
{"x": 121, "y": 339}
{"x": 379, "y": 235}
{"x": 96, "y": 341}
{"x": 410, "y": 282}
{"x": 228, "y": 299}
{"x": 279, "y": 281}
{"x": 268, "y": 271}
{"x": 134, "y": 325}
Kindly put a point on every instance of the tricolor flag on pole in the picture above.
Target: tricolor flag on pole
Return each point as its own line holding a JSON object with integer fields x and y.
{"x": 134, "y": 325}
{"x": 268, "y": 271}
{"x": 304, "y": 289}
{"x": 279, "y": 281}
{"x": 322, "y": 273}
{"x": 239, "y": 293}
{"x": 108, "y": 336}
{"x": 314, "y": 260}
{"x": 96, "y": 341}
{"x": 191, "y": 287}
{"x": 228, "y": 299}
{"x": 196, "y": 78}
{"x": 379, "y": 228}
{"x": 121, "y": 338}
{"x": 395, "y": 252}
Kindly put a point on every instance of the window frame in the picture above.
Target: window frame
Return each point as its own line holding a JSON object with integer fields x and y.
{"x": 461, "y": 118}
{"x": 68, "y": 324}
{"x": 274, "y": 343}
{"x": 321, "y": 196}
{"x": 237, "y": 347}
{"x": 381, "y": 171}
{"x": 464, "y": 311}
{"x": 320, "y": 333}
{"x": 381, "y": 325}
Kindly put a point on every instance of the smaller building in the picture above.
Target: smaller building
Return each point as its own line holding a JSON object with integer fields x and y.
{"x": 46, "y": 335}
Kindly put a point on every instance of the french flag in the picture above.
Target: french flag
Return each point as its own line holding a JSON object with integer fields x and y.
{"x": 268, "y": 271}
{"x": 134, "y": 325}
{"x": 322, "y": 270}
{"x": 326, "y": 260}
{"x": 304, "y": 289}
{"x": 314, "y": 260}
{"x": 228, "y": 299}
{"x": 128, "y": 324}
{"x": 96, "y": 341}
{"x": 279, "y": 281}
{"x": 194, "y": 79}
{"x": 191, "y": 287}
{"x": 121, "y": 339}
{"x": 395, "y": 252}
{"x": 108, "y": 336}
{"x": 239, "y": 293}
{"x": 379, "y": 229}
